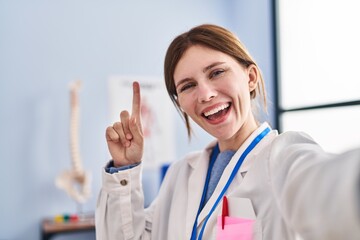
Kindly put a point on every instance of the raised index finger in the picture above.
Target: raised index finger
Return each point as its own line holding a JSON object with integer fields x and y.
{"x": 136, "y": 101}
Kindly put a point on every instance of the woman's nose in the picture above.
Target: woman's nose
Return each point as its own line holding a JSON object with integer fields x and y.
{"x": 205, "y": 93}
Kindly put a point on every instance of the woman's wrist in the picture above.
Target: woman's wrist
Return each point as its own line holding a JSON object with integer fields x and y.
{"x": 111, "y": 168}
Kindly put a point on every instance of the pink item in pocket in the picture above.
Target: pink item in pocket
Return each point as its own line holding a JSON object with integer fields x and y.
{"x": 235, "y": 228}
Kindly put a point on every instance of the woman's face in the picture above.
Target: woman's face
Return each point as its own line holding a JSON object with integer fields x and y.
{"x": 214, "y": 90}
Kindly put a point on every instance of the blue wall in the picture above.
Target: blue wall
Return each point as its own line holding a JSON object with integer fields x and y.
{"x": 44, "y": 45}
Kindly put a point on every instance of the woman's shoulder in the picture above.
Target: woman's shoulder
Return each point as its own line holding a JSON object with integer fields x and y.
{"x": 293, "y": 137}
{"x": 293, "y": 144}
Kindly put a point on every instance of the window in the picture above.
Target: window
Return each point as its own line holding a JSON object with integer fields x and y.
{"x": 318, "y": 82}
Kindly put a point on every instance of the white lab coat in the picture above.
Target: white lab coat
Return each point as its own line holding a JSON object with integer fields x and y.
{"x": 295, "y": 189}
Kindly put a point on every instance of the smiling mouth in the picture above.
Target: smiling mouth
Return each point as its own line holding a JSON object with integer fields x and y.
{"x": 217, "y": 112}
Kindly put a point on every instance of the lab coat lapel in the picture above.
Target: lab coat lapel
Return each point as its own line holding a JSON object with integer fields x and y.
{"x": 219, "y": 187}
{"x": 227, "y": 172}
{"x": 196, "y": 184}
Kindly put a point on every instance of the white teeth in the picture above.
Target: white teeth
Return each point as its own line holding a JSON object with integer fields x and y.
{"x": 215, "y": 110}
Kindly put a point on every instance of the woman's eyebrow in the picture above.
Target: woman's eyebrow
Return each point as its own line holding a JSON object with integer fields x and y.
{"x": 211, "y": 66}
{"x": 182, "y": 81}
{"x": 207, "y": 68}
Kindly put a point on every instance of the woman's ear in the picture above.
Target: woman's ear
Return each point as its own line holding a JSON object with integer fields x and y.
{"x": 253, "y": 77}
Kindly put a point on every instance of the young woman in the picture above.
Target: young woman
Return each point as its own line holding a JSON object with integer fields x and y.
{"x": 250, "y": 183}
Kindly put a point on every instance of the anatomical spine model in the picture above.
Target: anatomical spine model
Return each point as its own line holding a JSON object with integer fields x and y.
{"x": 75, "y": 182}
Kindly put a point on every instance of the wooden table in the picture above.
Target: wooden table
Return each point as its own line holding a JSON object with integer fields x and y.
{"x": 51, "y": 227}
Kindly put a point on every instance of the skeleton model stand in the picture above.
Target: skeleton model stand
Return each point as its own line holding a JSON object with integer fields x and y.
{"x": 75, "y": 182}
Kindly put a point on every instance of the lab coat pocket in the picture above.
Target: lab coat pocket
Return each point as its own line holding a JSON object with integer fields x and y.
{"x": 241, "y": 222}
{"x": 241, "y": 208}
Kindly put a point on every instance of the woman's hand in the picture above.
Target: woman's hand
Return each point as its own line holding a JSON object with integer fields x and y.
{"x": 125, "y": 139}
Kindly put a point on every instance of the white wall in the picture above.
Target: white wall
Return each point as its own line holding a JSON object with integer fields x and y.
{"x": 44, "y": 45}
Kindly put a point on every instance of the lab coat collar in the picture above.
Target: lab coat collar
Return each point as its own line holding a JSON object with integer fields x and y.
{"x": 196, "y": 186}
{"x": 248, "y": 160}
{"x": 222, "y": 182}
{"x": 205, "y": 154}
{"x": 194, "y": 162}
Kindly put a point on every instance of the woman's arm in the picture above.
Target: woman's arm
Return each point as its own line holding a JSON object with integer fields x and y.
{"x": 120, "y": 212}
{"x": 318, "y": 193}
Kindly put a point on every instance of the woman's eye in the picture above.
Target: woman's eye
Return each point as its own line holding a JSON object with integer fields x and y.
{"x": 186, "y": 86}
{"x": 216, "y": 73}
